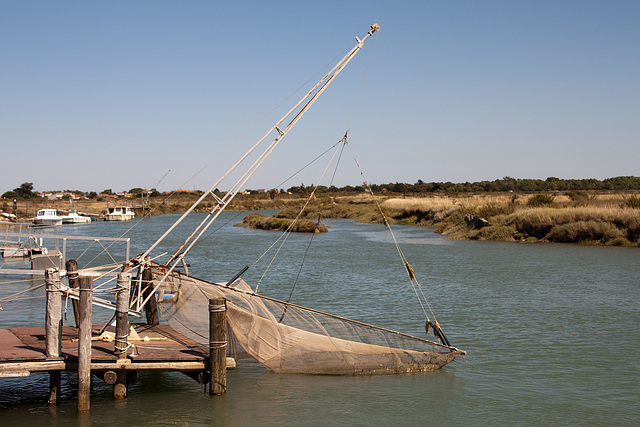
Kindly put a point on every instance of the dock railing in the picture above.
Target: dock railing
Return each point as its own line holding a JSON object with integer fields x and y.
{"x": 60, "y": 250}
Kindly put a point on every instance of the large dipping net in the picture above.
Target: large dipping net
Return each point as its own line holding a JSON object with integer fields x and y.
{"x": 287, "y": 338}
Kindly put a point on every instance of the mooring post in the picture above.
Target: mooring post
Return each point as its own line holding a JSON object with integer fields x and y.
{"x": 72, "y": 276}
{"x": 122, "y": 331}
{"x": 218, "y": 346}
{"x": 53, "y": 316}
{"x": 84, "y": 343}
{"x": 151, "y": 308}
{"x": 53, "y": 329}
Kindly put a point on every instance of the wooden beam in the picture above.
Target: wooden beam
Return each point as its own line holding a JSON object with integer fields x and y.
{"x": 23, "y": 368}
{"x": 84, "y": 343}
{"x": 72, "y": 276}
{"x": 53, "y": 313}
{"x": 218, "y": 346}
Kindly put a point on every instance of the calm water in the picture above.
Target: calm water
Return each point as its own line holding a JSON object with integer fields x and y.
{"x": 552, "y": 333}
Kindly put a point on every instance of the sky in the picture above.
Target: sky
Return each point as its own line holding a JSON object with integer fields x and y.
{"x": 168, "y": 94}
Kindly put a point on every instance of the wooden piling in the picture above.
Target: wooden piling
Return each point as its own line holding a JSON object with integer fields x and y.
{"x": 218, "y": 346}
{"x": 54, "y": 387}
{"x": 84, "y": 342}
{"x": 151, "y": 308}
{"x": 53, "y": 316}
{"x": 72, "y": 276}
{"x": 122, "y": 314}
{"x": 53, "y": 329}
{"x": 122, "y": 331}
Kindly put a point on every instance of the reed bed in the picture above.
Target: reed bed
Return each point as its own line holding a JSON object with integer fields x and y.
{"x": 592, "y": 219}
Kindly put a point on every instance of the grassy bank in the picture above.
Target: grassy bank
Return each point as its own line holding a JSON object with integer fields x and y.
{"x": 608, "y": 218}
{"x": 584, "y": 218}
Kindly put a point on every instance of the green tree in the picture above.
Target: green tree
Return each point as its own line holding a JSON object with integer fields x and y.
{"x": 25, "y": 190}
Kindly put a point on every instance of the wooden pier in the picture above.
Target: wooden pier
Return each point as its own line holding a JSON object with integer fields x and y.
{"x": 22, "y": 351}
{"x": 114, "y": 353}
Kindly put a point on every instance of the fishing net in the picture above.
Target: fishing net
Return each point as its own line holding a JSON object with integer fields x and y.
{"x": 288, "y": 338}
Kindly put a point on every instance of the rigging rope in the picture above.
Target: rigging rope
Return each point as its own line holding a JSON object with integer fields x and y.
{"x": 295, "y": 282}
{"x": 410, "y": 272}
{"x": 289, "y": 229}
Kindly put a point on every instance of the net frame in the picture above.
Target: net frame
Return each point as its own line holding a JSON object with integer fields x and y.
{"x": 288, "y": 338}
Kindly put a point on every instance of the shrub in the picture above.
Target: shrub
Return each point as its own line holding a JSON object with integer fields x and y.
{"x": 501, "y": 233}
{"x": 535, "y": 222}
{"x": 619, "y": 241}
{"x": 584, "y": 231}
{"x": 493, "y": 209}
{"x": 540, "y": 200}
{"x": 580, "y": 198}
{"x": 633, "y": 202}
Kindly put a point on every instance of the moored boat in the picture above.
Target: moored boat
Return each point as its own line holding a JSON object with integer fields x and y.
{"x": 73, "y": 217}
{"x": 119, "y": 213}
{"x": 47, "y": 217}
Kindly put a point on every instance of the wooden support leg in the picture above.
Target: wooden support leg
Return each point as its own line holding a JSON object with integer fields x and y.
{"x": 84, "y": 343}
{"x": 53, "y": 330}
{"x": 53, "y": 314}
{"x": 120, "y": 386}
{"x": 218, "y": 345}
{"x": 54, "y": 388}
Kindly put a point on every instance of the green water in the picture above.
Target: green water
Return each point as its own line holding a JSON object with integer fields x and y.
{"x": 551, "y": 331}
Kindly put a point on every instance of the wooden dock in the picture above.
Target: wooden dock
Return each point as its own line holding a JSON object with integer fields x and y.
{"x": 22, "y": 351}
{"x": 116, "y": 353}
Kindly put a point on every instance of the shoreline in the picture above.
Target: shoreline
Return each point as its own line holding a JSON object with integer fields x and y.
{"x": 590, "y": 218}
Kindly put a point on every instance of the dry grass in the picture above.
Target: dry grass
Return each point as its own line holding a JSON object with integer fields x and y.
{"x": 595, "y": 218}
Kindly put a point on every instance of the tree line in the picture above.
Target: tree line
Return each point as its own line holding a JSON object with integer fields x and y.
{"x": 26, "y": 191}
{"x": 505, "y": 184}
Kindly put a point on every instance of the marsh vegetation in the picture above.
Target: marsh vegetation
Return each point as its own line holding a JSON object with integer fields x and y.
{"x": 574, "y": 216}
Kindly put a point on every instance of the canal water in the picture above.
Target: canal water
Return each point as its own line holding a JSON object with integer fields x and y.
{"x": 552, "y": 332}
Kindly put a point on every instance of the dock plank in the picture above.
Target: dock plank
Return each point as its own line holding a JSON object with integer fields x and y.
{"x": 165, "y": 349}
{"x": 12, "y": 348}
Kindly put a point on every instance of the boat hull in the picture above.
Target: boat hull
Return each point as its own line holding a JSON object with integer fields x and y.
{"x": 47, "y": 221}
{"x": 14, "y": 251}
{"x": 76, "y": 220}
{"x": 119, "y": 217}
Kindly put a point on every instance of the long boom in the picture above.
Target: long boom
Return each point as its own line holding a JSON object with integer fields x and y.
{"x": 311, "y": 96}
{"x": 314, "y": 93}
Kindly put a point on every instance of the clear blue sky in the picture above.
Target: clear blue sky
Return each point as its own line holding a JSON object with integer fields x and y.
{"x": 97, "y": 95}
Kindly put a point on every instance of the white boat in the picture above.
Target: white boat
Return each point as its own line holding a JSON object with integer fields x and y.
{"x": 47, "y": 217}
{"x": 119, "y": 213}
{"x": 74, "y": 218}
{"x": 14, "y": 250}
